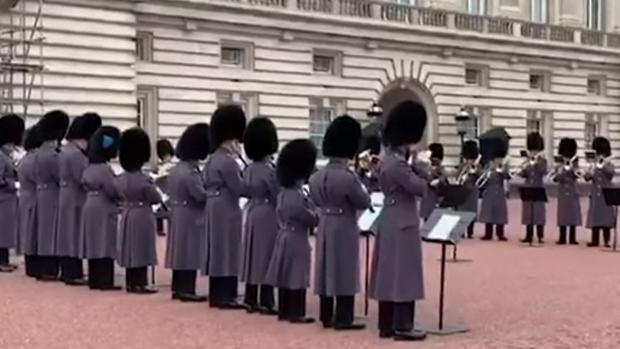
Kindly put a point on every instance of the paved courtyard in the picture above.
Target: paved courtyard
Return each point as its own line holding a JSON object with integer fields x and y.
{"x": 510, "y": 296}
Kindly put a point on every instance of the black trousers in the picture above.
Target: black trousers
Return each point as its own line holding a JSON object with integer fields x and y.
{"x": 264, "y": 299}
{"x": 100, "y": 273}
{"x": 470, "y": 230}
{"x": 71, "y": 269}
{"x": 49, "y": 266}
{"x": 396, "y": 316}
{"x": 596, "y": 232}
{"x": 488, "y": 230}
{"x": 222, "y": 290}
{"x": 291, "y": 304}
{"x": 32, "y": 267}
{"x": 572, "y": 234}
{"x": 184, "y": 281}
{"x": 160, "y": 224}
{"x": 345, "y": 310}
{"x": 4, "y": 256}
{"x": 529, "y": 232}
{"x": 136, "y": 277}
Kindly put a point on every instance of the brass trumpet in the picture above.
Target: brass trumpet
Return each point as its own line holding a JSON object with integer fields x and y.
{"x": 366, "y": 160}
{"x": 467, "y": 171}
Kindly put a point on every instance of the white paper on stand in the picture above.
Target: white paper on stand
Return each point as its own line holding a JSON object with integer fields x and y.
{"x": 366, "y": 220}
{"x": 443, "y": 227}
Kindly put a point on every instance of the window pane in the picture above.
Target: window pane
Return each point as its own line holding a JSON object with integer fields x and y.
{"x": 323, "y": 64}
{"x": 594, "y": 86}
{"x": 232, "y": 56}
{"x": 320, "y": 119}
{"x": 472, "y": 76}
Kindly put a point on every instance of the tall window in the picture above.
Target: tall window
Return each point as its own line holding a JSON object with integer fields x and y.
{"x": 478, "y": 7}
{"x": 144, "y": 46}
{"x": 322, "y": 112}
{"x": 540, "y": 10}
{"x": 481, "y": 118}
{"x": 595, "y": 14}
{"x": 147, "y": 115}
{"x": 247, "y": 101}
{"x": 592, "y": 127}
{"x": 406, "y": 2}
{"x": 541, "y": 122}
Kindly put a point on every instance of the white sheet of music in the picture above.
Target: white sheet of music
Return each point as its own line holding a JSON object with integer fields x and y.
{"x": 443, "y": 227}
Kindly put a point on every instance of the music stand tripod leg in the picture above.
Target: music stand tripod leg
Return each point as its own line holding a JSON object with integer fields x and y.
{"x": 367, "y": 279}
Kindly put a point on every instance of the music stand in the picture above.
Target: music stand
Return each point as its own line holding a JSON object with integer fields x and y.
{"x": 612, "y": 198}
{"x": 532, "y": 195}
{"x": 453, "y": 197}
{"x": 367, "y": 223}
{"x": 445, "y": 227}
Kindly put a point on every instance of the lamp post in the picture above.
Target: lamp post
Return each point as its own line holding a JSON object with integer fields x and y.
{"x": 375, "y": 111}
{"x": 462, "y": 120}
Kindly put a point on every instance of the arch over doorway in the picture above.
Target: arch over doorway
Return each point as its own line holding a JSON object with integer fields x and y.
{"x": 402, "y": 90}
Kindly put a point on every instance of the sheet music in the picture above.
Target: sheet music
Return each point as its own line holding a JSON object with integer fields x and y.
{"x": 443, "y": 227}
{"x": 366, "y": 220}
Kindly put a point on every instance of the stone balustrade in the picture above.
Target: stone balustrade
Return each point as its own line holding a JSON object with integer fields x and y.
{"x": 431, "y": 17}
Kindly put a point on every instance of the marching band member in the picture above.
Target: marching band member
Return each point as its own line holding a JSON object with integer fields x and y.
{"x": 494, "y": 207}
{"x": 289, "y": 267}
{"x": 53, "y": 127}
{"x": 187, "y": 221}
{"x": 436, "y": 175}
{"x": 367, "y": 162}
{"x": 468, "y": 175}
{"x": 11, "y": 133}
{"x": 600, "y": 215}
{"x": 28, "y": 201}
{"x": 224, "y": 186}
{"x": 569, "y": 207}
{"x": 100, "y": 211}
{"x": 397, "y": 279}
{"x": 261, "y": 227}
{"x": 534, "y": 172}
{"x": 73, "y": 160}
{"x": 339, "y": 195}
{"x": 165, "y": 154}
{"x": 137, "y": 249}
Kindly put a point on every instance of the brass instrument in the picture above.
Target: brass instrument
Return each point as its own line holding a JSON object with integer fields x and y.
{"x": 467, "y": 171}
{"x": 366, "y": 160}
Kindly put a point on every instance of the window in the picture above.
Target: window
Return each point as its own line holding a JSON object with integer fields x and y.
{"x": 475, "y": 75}
{"x": 236, "y": 54}
{"x": 539, "y": 11}
{"x": 146, "y": 114}
{"x": 326, "y": 62}
{"x": 534, "y": 123}
{"x": 595, "y": 14}
{"x": 539, "y": 81}
{"x": 406, "y": 2}
{"x": 592, "y": 127}
{"x": 478, "y": 7}
{"x": 144, "y": 46}
{"x": 322, "y": 112}
{"x": 595, "y": 86}
{"x": 480, "y": 122}
{"x": 247, "y": 101}
{"x": 541, "y": 122}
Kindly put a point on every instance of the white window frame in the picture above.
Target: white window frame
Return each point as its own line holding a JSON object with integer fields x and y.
{"x": 247, "y": 52}
{"x": 544, "y": 11}
{"x": 247, "y": 100}
{"x": 545, "y": 80}
{"x": 336, "y": 62}
{"x": 144, "y": 46}
{"x": 482, "y": 72}
{"x": 477, "y": 7}
{"x": 147, "y": 116}
{"x": 601, "y": 85}
{"x": 319, "y": 106}
{"x": 595, "y": 14}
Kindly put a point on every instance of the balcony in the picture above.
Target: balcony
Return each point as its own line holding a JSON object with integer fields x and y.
{"x": 429, "y": 17}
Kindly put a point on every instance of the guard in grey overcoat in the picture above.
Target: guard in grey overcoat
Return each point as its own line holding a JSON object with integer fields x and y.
{"x": 367, "y": 163}
{"x": 137, "y": 250}
{"x": 73, "y": 161}
{"x": 11, "y": 133}
{"x": 184, "y": 248}
{"x": 397, "y": 278}
{"x": 494, "y": 206}
{"x": 600, "y": 215}
{"x": 165, "y": 154}
{"x": 436, "y": 177}
{"x": 53, "y": 127}
{"x": 289, "y": 267}
{"x": 468, "y": 174}
{"x": 99, "y": 230}
{"x": 261, "y": 227}
{"x": 224, "y": 185}
{"x": 569, "y": 207}
{"x": 534, "y": 172}
{"x": 339, "y": 196}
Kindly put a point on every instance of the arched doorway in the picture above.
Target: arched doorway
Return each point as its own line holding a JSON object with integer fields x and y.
{"x": 411, "y": 90}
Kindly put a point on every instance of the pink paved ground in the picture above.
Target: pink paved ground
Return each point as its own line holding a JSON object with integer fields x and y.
{"x": 510, "y": 296}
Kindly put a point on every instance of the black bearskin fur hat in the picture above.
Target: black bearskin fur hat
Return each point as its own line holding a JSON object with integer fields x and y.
{"x": 135, "y": 149}
{"x": 436, "y": 151}
{"x": 493, "y": 148}
{"x": 54, "y": 125}
{"x": 90, "y": 123}
{"x": 567, "y": 147}
{"x": 535, "y": 142}
{"x": 342, "y": 138}
{"x": 103, "y": 145}
{"x": 260, "y": 139}
{"x": 227, "y": 123}
{"x": 372, "y": 143}
{"x": 601, "y": 146}
{"x": 296, "y": 162}
{"x": 32, "y": 138}
{"x": 11, "y": 129}
{"x": 194, "y": 143}
{"x": 405, "y": 124}
{"x": 164, "y": 148}
{"x": 470, "y": 150}
{"x": 74, "y": 129}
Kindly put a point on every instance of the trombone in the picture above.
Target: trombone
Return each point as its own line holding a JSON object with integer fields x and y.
{"x": 467, "y": 171}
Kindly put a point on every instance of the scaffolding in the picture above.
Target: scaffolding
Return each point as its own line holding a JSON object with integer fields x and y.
{"x": 21, "y": 58}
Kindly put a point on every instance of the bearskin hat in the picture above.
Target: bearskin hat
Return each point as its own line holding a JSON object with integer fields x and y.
{"x": 535, "y": 142}
{"x": 32, "y": 138}
{"x": 194, "y": 143}
{"x": 295, "y": 162}
{"x": 227, "y": 123}
{"x": 90, "y": 123}
{"x": 260, "y": 139}
{"x": 164, "y": 148}
{"x": 436, "y": 151}
{"x": 103, "y": 145}
{"x": 54, "y": 125}
{"x": 135, "y": 149}
{"x": 74, "y": 129}
{"x": 567, "y": 147}
{"x": 601, "y": 146}
{"x": 11, "y": 129}
{"x": 405, "y": 124}
{"x": 493, "y": 148}
{"x": 372, "y": 143}
{"x": 470, "y": 150}
{"x": 342, "y": 138}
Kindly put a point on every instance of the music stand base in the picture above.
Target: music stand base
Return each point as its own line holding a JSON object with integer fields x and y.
{"x": 611, "y": 250}
{"x": 458, "y": 260}
{"x": 447, "y": 331}
{"x": 532, "y": 246}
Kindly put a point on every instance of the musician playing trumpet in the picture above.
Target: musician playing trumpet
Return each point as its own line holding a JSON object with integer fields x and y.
{"x": 534, "y": 171}
{"x": 600, "y": 174}
{"x": 494, "y": 206}
{"x": 367, "y": 163}
{"x": 435, "y": 175}
{"x": 468, "y": 175}
{"x": 566, "y": 174}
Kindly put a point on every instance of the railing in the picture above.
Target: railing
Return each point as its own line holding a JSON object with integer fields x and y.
{"x": 433, "y": 17}
{"x": 534, "y": 30}
{"x": 325, "y": 6}
{"x": 613, "y": 40}
{"x": 592, "y": 38}
{"x": 464, "y": 21}
{"x": 563, "y": 34}
{"x": 355, "y": 8}
{"x": 268, "y": 3}
{"x": 501, "y": 26}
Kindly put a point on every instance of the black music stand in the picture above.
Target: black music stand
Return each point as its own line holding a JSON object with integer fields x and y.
{"x": 612, "y": 198}
{"x": 532, "y": 195}
{"x": 367, "y": 223}
{"x": 453, "y": 197}
{"x": 445, "y": 227}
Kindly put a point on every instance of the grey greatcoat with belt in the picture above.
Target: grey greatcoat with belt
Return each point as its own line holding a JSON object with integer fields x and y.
{"x": 187, "y": 198}
{"x": 494, "y": 206}
{"x": 73, "y": 161}
{"x": 224, "y": 187}
{"x": 534, "y": 213}
{"x": 473, "y": 195}
{"x": 100, "y": 213}
{"x": 8, "y": 200}
{"x": 338, "y": 194}
{"x": 289, "y": 267}
{"x": 599, "y": 214}
{"x": 397, "y": 273}
{"x": 430, "y": 200}
{"x": 137, "y": 230}
{"x": 261, "y": 226}
{"x": 569, "y": 207}
{"x": 47, "y": 174}
{"x": 28, "y": 204}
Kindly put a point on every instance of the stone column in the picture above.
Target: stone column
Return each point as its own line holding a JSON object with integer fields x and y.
{"x": 453, "y": 5}
{"x": 572, "y": 13}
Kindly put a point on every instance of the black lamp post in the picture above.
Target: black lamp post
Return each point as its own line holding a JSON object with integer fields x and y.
{"x": 375, "y": 111}
{"x": 462, "y": 120}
